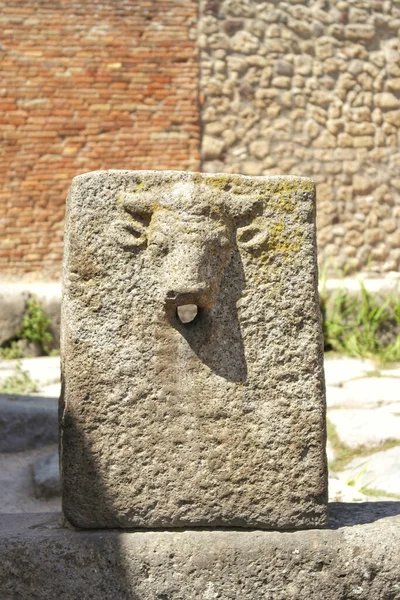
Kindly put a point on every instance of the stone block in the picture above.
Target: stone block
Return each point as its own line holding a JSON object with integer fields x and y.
{"x": 357, "y": 557}
{"x": 215, "y": 422}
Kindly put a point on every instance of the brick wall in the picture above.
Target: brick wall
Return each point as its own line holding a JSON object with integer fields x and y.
{"x": 85, "y": 86}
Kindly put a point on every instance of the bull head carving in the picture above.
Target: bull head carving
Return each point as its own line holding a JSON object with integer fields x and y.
{"x": 188, "y": 234}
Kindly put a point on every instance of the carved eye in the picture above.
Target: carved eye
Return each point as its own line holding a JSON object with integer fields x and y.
{"x": 131, "y": 230}
{"x": 252, "y": 236}
{"x": 130, "y": 234}
{"x": 136, "y": 230}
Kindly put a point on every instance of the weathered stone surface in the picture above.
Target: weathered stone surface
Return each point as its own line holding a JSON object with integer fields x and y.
{"x": 358, "y": 559}
{"x": 216, "y": 422}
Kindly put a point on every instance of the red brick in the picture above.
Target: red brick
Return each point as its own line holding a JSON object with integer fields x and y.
{"x": 55, "y": 73}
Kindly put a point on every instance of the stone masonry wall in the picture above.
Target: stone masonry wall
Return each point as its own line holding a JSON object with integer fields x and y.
{"x": 85, "y": 86}
{"x": 311, "y": 88}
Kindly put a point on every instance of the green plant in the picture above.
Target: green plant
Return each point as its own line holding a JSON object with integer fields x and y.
{"x": 377, "y": 493}
{"x": 357, "y": 477}
{"x": 10, "y": 351}
{"x": 20, "y": 382}
{"x": 35, "y": 326}
{"x": 362, "y": 325}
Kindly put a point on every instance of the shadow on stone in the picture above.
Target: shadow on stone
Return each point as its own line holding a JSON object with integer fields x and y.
{"x": 210, "y": 331}
{"x": 348, "y": 514}
{"x": 27, "y": 422}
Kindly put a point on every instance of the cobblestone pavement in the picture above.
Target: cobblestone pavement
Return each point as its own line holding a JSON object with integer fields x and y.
{"x": 363, "y": 403}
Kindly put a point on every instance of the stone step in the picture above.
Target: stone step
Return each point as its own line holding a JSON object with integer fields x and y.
{"x": 357, "y": 557}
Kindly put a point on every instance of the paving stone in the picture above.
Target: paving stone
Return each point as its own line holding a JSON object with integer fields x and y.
{"x": 339, "y": 370}
{"x": 330, "y": 452}
{"x": 339, "y": 396}
{"x": 339, "y": 491}
{"x": 52, "y": 390}
{"x": 46, "y": 476}
{"x": 395, "y": 372}
{"x": 43, "y": 369}
{"x": 373, "y": 390}
{"x": 394, "y": 408}
{"x": 369, "y": 391}
{"x": 16, "y": 485}
{"x": 380, "y": 470}
{"x": 365, "y": 426}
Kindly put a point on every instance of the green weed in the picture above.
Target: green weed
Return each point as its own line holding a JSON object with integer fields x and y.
{"x": 356, "y": 480}
{"x": 35, "y": 326}
{"x": 362, "y": 325}
{"x": 10, "y": 351}
{"x": 377, "y": 493}
{"x": 20, "y": 382}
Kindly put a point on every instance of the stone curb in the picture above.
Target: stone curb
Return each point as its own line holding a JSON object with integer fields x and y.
{"x": 27, "y": 422}
{"x": 357, "y": 558}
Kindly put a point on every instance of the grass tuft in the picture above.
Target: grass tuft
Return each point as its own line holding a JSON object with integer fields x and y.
{"x": 362, "y": 325}
{"x": 20, "y": 382}
{"x": 35, "y": 327}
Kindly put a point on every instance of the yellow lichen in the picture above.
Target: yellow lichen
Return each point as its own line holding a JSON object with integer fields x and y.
{"x": 139, "y": 187}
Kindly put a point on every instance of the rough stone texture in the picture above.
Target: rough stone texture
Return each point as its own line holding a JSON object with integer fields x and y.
{"x": 46, "y": 476}
{"x": 311, "y": 88}
{"x": 27, "y": 422}
{"x": 217, "y": 422}
{"x": 87, "y": 86}
{"x": 358, "y": 559}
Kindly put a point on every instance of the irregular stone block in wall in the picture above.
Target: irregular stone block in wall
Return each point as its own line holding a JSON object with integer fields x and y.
{"x": 214, "y": 421}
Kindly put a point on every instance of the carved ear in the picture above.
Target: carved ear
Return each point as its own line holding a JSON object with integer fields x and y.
{"x": 250, "y": 228}
{"x": 254, "y": 236}
{"x": 139, "y": 204}
{"x": 244, "y": 208}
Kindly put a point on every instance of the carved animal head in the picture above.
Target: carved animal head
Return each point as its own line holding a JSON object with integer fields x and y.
{"x": 188, "y": 235}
